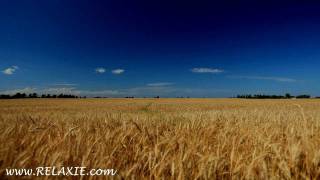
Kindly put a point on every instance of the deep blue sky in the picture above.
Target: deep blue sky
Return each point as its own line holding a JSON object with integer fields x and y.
{"x": 238, "y": 47}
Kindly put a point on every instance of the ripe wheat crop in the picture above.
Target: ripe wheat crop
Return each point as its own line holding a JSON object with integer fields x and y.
{"x": 164, "y": 138}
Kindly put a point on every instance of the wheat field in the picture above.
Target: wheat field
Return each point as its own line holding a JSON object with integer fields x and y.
{"x": 164, "y": 138}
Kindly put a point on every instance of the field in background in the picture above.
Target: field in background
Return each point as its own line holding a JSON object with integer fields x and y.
{"x": 165, "y": 138}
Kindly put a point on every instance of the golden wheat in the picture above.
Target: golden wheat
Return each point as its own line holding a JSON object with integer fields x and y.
{"x": 165, "y": 138}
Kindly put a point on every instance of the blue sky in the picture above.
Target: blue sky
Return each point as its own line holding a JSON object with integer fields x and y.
{"x": 165, "y": 48}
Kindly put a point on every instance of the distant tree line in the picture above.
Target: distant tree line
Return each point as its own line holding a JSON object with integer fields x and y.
{"x": 245, "y": 96}
{"x": 263, "y": 96}
{"x": 131, "y": 97}
{"x": 35, "y": 95}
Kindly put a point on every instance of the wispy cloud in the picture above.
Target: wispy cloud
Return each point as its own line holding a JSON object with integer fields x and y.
{"x": 104, "y": 93}
{"x": 117, "y": 71}
{"x": 67, "y": 90}
{"x": 207, "y": 70}
{"x": 10, "y": 70}
{"x": 100, "y": 70}
{"x": 26, "y": 90}
{"x": 62, "y": 90}
{"x": 271, "y": 78}
{"x": 143, "y": 91}
{"x": 149, "y": 91}
{"x": 63, "y": 84}
{"x": 159, "y": 84}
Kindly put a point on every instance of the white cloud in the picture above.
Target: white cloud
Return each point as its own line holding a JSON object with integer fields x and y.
{"x": 117, "y": 71}
{"x": 170, "y": 91}
{"x": 158, "y": 84}
{"x": 10, "y": 70}
{"x": 103, "y": 93}
{"x": 143, "y": 91}
{"x": 56, "y": 91}
{"x": 207, "y": 70}
{"x": 26, "y": 90}
{"x": 150, "y": 91}
{"x": 63, "y": 84}
{"x": 279, "y": 79}
{"x": 100, "y": 70}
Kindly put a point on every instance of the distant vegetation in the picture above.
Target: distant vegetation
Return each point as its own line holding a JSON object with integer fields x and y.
{"x": 35, "y": 95}
{"x": 245, "y": 96}
{"x": 262, "y": 96}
